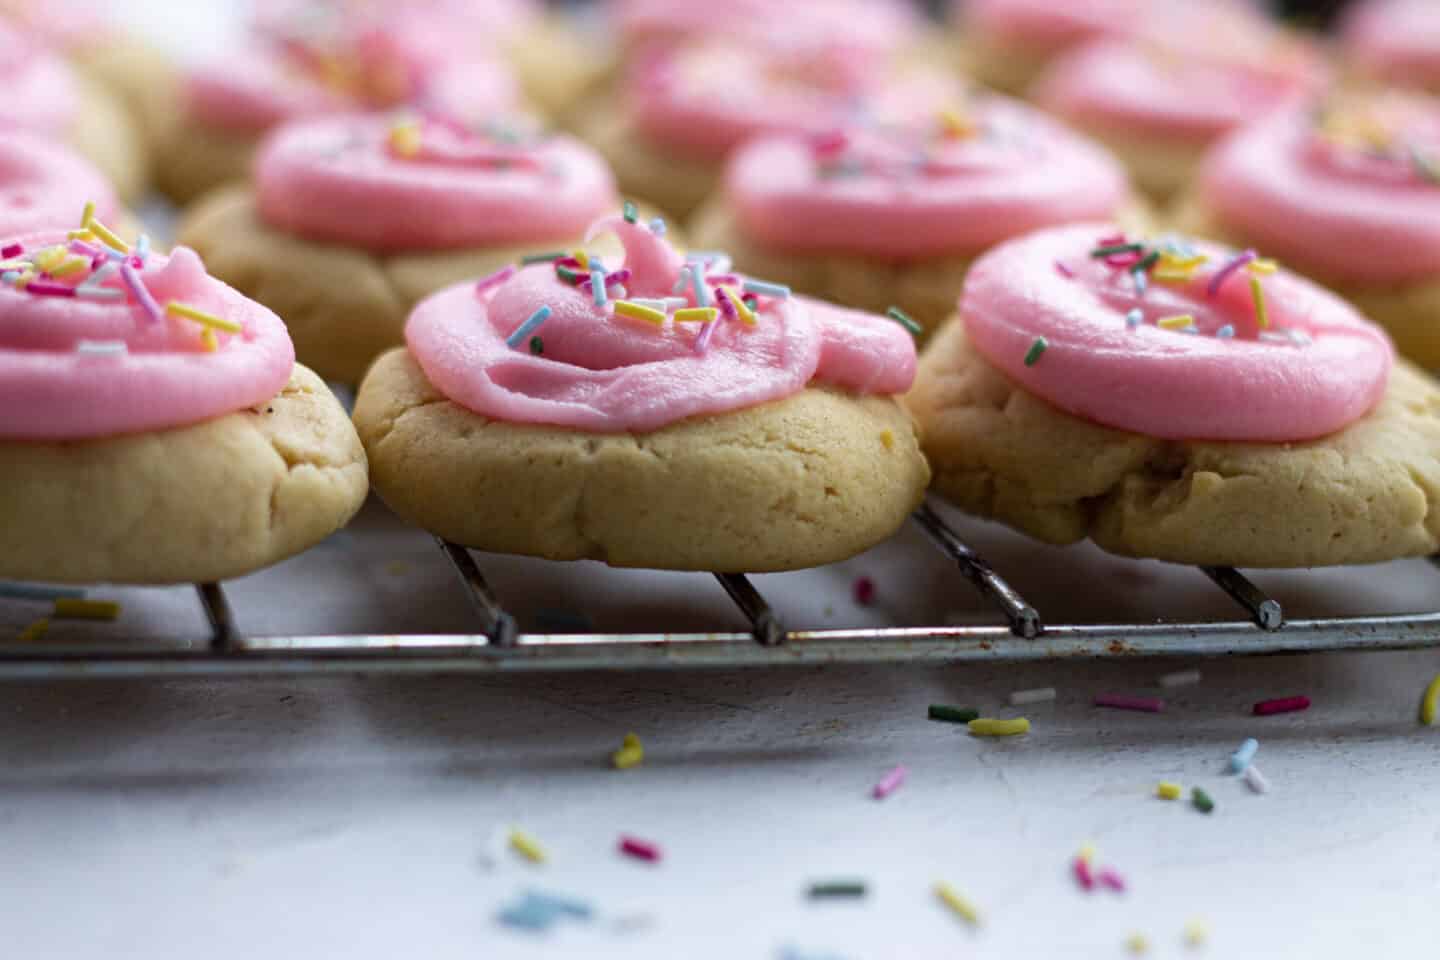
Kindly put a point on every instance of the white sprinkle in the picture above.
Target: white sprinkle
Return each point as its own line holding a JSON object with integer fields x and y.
{"x": 657, "y": 226}
{"x": 102, "y": 348}
{"x": 1180, "y": 678}
{"x": 1134, "y": 318}
{"x": 99, "y": 293}
{"x": 675, "y": 303}
{"x": 1255, "y": 780}
{"x": 1270, "y": 336}
{"x": 654, "y": 304}
{"x": 1039, "y": 695}
{"x": 682, "y": 282}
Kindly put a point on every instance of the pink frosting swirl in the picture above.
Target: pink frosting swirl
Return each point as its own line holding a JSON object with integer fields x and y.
{"x": 999, "y": 170}
{"x": 1396, "y": 40}
{"x": 74, "y": 367}
{"x": 44, "y": 184}
{"x": 604, "y": 372}
{"x": 1315, "y": 368}
{"x": 357, "y": 180}
{"x": 1191, "y": 87}
{"x": 704, "y": 100}
{"x": 1364, "y": 210}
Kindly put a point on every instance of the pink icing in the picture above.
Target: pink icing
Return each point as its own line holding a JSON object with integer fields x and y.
{"x": 337, "y": 179}
{"x": 452, "y": 27}
{"x": 881, "y": 194}
{"x": 706, "y": 99}
{"x": 44, "y": 185}
{"x": 166, "y": 378}
{"x": 1187, "y": 89}
{"x": 605, "y": 373}
{"x": 1329, "y": 367}
{"x": 41, "y": 93}
{"x": 1045, "y": 25}
{"x": 1348, "y": 213}
{"x": 67, "y": 25}
{"x": 1396, "y": 40}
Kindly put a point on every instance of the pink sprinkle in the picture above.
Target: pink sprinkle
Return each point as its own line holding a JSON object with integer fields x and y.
{"x": 619, "y": 276}
{"x": 1112, "y": 879}
{"x": 1123, "y": 260}
{"x": 890, "y": 783}
{"x": 49, "y": 288}
{"x": 138, "y": 291}
{"x": 702, "y": 342}
{"x": 568, "y": 262}
{"x": 1221, "y": 275}
{"x": 727, "y": 306}
{"x": 864, "y": 591}
{"x": 89, "y": 249}
{"x": 720, "y": 279}
{"x": 1114, "y": 240}
{"x": 11, "y": 250}
{"x": 639, "y": 849}
{"x": 1064, "y": 270}
{"x": 1267, "y": 708}
{"x": 829, "y": 143}
{"x": 1120, "y": 701}
{"x": 495, "y": 279}
{"x": 1083, "y": 876}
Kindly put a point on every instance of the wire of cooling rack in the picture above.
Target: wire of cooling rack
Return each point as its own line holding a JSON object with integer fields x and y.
{"x": 499, "y": 646}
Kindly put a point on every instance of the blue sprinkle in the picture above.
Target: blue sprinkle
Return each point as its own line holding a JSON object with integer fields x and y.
{"x": 142, "y": 247}
{"x": 597, "y": 287}
{"x": 528, "y": 327}
{"x": 657, "y": 226}
{"x": 1241, "y": 758}
{"x": 777, "y": 290}
{"x": 1226, "y": 332}
{"x": 527, "y": 916}
{"x": 1134, "y": 318}
{"x": 697, "y": 281}
{"x": 567, "y": 906}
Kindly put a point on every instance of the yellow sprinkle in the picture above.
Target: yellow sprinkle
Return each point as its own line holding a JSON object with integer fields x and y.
{"x": 635, "y": 311}
{"x": 209, "y": 340}
{"x": 1175, "y": 274}
{"x": 525, "y": 845}
{"x": 887, "y": 439}
{"x": 35, "y": 631}
{"x": 107, "y": 236}
{"x": 630, "y": 754}
{"x": 582, "y": 257}
{"x": 67, "y": 267}
{"x": 1087, "y": 852}
{"x": 963, "y": 908}
{"x": 987, "y": 727}
{"x": 1178, "y": 322}
{"x": 696, "y": 315}
{"x": 405, "y": 139}
{"x": 1166, "y": 790}
{"x": 1430, "y": 703}
{"x": 1184, "y": 263}
{"x": 1137, "y": 944}
{"x": 50, "y": 257}
{"x": 1196, "y": 933}
{"x": 73, "y": 608}
{"x": 1262, "y": 316}
{"x": 1262, "y": 266}
{"x": 87, "y": 214}
{"x": 956, "y": 124}
{"x": 23, "y": 281}
{"x": 85, "y": 235}
{"x": 175, "y": 309}
{"x": 747, "y": 316}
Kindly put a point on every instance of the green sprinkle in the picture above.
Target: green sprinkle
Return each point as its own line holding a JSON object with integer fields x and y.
{"x": 1036, "y": 349}
{"x": 1201, "y": 800}
{"x": 631, "y": 213}
{"x": 821, "y": 889}
{"x": 1110, "y": 251}
{"x": 903, "y": 318}
{"x": 571, "y": 277}
{"x": 550, "y": 257}
{"x": 537, "y": 346}
{"x": 939, "y": 711}
{"x": 751, "y": 301}
{"x": 1150, "y": 260}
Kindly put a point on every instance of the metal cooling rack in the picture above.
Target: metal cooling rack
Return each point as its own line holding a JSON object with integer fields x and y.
{"x": 499, "y": 646}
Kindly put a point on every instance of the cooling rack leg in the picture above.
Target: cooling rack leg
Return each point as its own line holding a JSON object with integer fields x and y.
{"x": 499, "y": 625}
{"x": 756, "y": 608}
{"x": 224, "y": 638}
{"x": 1024, "y": 619}
{"x": 1266, "y": 612}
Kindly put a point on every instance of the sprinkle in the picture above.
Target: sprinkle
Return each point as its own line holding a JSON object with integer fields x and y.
{"x": 956, "y": 124}
{"x": 550, "y": 257}
{"x": 1262, "y": 266}
{"x": 827, "y": 889}
{"x": 1145, "y": 264}
{"x": 176, "y": 309}
{"x": 1036, "y": 350}
{"x": 987, "y": 727}
{"x": 1110, "y": 877}
{"x": 863, "y": 590}
{"x": 630, "y": 213}
{"x": 102, "y": 348}
{"x": 1080, "y": 866}
{"x": 947, "y": 714}
{"x": 495, "y": 279}
{"x": 525, "y": 845}
{"x": 742, "y": 308}
{"x": 1166, "y": 790}
{"x": 1137, "y": 944}
{"x": 569, "y": 276}
{"x": 1064, "y": 271}
{"x": 1221, "y": 275}
{"x": 1022, "y": 698}
{"x": 1226, "y": 332}
{"x": 1114, "y": 248}
{"x": 1175, "y": 322}
{"x": 141, "y": 295}
{"x": 628, "y": 308}
{"x": 1201, "y": 800}
{"x": 11, "y": 250}
{"x": 45, "y": 288}
{"x": 904, "y": 319}
{"x": 537, "y": 346}
{"x": 35, "y": 631}
{"x": 777, "y": 290}
{"x": 87, "y": 213}
{"x": 639, "y": 849}
{"x": 70, "y": 608}
{"x": 109, "y": 238}
{"x": 1134, "y": 317}
{"x": 1121, "y": 701}
{"x": 1196, "y": 933}
{"x": 142, "y": 247}
{"x": 631, "y": 753}
{"x": 707, "y": 333}
{"x": 1266, "y": 708}
{"x": 1180, "y": 678}
{"x": 597, "y": 287}
{"x": 563, "y": 906}
{"x": 1430, "y": 702}
{"x": 696, "y": 315}
{"x": 962, "y": 908}
{"x": 581, "y": 258}
{"x": 49, "y": 257}
{"x": 657, "y": 226}
{"x": 1255, "y": 780}
{"x": 99, "y": 277}
{"x": 30, "y": 591}
{"x": 651, "y": 304}
{"x": 1257, "y": 294}
{"x": 682, "y": 280}
{"x": 698, "y": 287}
{"x": 1241, "y": 758}
{"x": 529, "y": 326}
{"x": 69, "y": 266}
{"x": 889, "y": 783}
